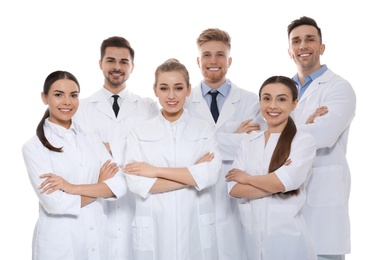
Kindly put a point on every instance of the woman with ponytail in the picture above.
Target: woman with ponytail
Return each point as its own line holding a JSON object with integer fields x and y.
{"x": 69, "y": 171}
{"x": 269, "y": 176}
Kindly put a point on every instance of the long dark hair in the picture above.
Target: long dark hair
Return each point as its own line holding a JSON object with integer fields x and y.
{"x": 283, "y": 146}
{"x": 53, "y": 77}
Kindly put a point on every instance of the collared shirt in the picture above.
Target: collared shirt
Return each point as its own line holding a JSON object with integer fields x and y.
{"x": 224, "y": 90}
{"x": 308, "y": 80}
{"x": 121, "y": 95}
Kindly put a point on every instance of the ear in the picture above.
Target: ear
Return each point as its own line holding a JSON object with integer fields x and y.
{"x": 132, "y": 67}
{"x": 230, "y": 60}
{"x": 44, "y": 98}
{"x": 289, "y": 53}
{"x": 198, "y": 61}
{"x": 189, "y": 89}
{"x": 322, "y": 49}
{"x": 100, "y": 64}
{"x": 295, "y": 103}
{"x": 155, "y": 90}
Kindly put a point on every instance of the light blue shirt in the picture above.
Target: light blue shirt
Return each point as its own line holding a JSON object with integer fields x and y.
{"x": 308, "y": 80}
{"x": 223, "y": 90}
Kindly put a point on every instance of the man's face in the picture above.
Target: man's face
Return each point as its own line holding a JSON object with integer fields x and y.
{"x": 117, "y": 66}
{"x": 214, "y": 61}
{"x": 305, "y": 48}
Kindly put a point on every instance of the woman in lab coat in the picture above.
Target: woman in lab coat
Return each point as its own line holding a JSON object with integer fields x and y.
{"x": 173, "y": 160}
{"x": 69, "y": 170}
{"x": 269, "y": 175}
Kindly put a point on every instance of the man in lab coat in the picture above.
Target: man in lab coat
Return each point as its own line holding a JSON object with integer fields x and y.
{"x": 96, "y": 114}
{"x": 237, "y": 108}
{"x": 326, "y": 208}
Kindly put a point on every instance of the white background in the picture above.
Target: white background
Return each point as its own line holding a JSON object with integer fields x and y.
{"x": 38, "y": 37}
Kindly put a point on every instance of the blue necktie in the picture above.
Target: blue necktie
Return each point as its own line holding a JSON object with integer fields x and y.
{"x": 214, "y": 106}
{"x": 115, "y": 105}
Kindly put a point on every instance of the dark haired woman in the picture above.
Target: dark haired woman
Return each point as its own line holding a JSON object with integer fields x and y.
{"x": 269, "y": 174}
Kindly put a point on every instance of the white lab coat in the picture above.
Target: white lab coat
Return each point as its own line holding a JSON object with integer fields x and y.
{"x": 273, "y": 225}
{"x": 239, "y": 106}
{"x": 179, "y": 224}
{"x": 326, "y": 210}
{"x": 64, "y": 230}
{"x": 95, "y": 114}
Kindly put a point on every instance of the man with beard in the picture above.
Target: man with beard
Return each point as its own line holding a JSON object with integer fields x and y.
{"x": 110, "y": 112}
{"x": 326, "y": 208}
{"x": 233, "y": 111}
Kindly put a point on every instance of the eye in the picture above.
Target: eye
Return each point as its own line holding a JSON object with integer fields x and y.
{"x": 75, "y": 95}
{"x": 179, "y": 88}
{"x": 58, "y": 94}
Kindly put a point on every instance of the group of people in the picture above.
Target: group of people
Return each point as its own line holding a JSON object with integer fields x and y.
{"x": 210, "y": 172}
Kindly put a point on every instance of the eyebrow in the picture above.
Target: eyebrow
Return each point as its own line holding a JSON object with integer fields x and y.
{"x": 279, "y": 95}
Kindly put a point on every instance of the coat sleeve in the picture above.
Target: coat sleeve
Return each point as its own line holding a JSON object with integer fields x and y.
{"x": 340, "y": 99}
{"x": 137, "y": 184}
{"x": 303, "y": 152}
{"x": 37, "y": 162}
{"x": 207, "y": 174}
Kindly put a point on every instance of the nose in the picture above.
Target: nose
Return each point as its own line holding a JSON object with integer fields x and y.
{"x": 171, "y": 94}
{"x": 273, "y": 104}
{"x": 213, "y": 59}
{"x": 66, "y": 100}
{"x": 117, "y": 66}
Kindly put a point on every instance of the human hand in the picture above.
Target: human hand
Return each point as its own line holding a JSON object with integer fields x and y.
{"x": 207, "y": 157}
{"x": 53, "y": 183}
{"x": 141, "y": 169}
{"x": 287, "y": 162}
{"x": 237, "y": 176}
{"x": 322, "y": 110}
{"x": 247, "y": 127}
{"x": 108, "y": 170}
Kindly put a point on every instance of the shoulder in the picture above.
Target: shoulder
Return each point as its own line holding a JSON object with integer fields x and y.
{"x": 245, "y": 95}
{"x": 306, "y": 138}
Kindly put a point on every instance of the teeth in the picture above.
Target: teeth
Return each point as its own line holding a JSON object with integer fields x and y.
{"x": 304, "y": 55}
{"x": 214, "y": 69}
{"x": 273, "y": 114}
{"x": 171, "y": 103}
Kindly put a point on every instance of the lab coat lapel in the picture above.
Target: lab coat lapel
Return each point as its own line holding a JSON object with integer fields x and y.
{"x": 228, "y": 108}
{"x": 127, "y": 107}
{"x": 201, "y": 106}
{"x": 316, "y": 84}
{"x": 105, "y": 107}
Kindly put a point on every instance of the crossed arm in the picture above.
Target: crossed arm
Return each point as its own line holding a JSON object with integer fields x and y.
{"x": 88, "y": 192}
{"x": 168, "y": 178}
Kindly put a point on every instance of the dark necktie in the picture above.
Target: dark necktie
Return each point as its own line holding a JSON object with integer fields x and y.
{"x": 214, "y": 106}
{"x": 115, "y": 105}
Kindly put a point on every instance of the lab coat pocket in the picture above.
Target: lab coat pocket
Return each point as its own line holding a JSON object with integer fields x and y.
{"x": 325, "y": 187}
{"x": 281, "y": 220}
{"x": 207, "y": 230}
{"x": 244, "y": 208}
{"x": 143, "y": 233}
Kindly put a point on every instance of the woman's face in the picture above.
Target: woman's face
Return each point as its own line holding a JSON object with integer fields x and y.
{"x": 276, "y": 103}
{"x": 63, "y": 101}
{"x": 171, "y": 90}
